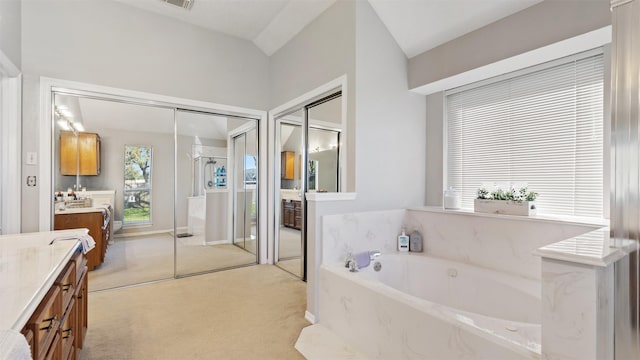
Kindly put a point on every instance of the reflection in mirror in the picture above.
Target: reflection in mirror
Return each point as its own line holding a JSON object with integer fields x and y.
{"x": 289, "y": 235}
{"x": 137, "y": 185}
{"x": 206, "y": 154}
{"x": 103, "y": 186}
{"x": 245, "y": 145}
{"x": 322, "y": 168}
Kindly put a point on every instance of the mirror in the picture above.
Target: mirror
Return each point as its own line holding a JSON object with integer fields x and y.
{"x": 160, "y": 216}
{"x": 125, "y": 157}
{"x": 322, "y": 171}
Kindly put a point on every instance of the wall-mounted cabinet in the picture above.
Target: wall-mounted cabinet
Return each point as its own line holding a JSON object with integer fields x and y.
{"x": 287, "y": 161}
{"x": 86, "y": 147}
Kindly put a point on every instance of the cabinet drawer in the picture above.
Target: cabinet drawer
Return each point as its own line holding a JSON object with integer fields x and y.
{"x": 55, "y": 350}
{"x": 68, "y": 331}
{"x": 45, "y": 322}
{"x": 67, "y": 283}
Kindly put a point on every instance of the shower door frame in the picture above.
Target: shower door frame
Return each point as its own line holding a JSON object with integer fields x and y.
{"x": 49, "y": 86}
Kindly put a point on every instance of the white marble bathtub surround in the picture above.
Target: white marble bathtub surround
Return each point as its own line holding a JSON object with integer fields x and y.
{"x": 577, "y": 311}
{"x": 499, "y": 242}
{"x": 365, "y": 231}
{"x": 382, "y": 323}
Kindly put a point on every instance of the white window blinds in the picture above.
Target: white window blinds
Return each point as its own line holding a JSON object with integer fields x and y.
{"x": 544, "y": 128}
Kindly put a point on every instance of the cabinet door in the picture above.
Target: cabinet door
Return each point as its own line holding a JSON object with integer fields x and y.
{"x": 68, "y": 151}
{"x": 81, "y": 310}
{"x": 287, "y": 160}
{"x": 89, "y": 150}
{"x": 86, "y": 146}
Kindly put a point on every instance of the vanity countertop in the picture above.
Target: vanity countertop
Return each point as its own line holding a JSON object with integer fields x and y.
{"x": 29, "y": 266}
{"x": 79, "y": 210}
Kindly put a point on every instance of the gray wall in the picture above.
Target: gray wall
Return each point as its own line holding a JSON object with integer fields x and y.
{"x": 109, "y": 43}
{"x": 323, "y": 51}
{"x": 10, "y": 30}
{"x": 540, "y": 25}
{"x": 390, "y": 120}
{"x": 543, "y": 24}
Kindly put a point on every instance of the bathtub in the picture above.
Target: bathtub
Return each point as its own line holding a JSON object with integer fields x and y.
{"x": 420, "y": 307}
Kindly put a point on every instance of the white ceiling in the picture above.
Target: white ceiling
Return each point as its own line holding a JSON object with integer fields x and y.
{"x": 417, "y": 25}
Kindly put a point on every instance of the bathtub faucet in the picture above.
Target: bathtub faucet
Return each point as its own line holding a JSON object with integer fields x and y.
{"x": 360, "y": 260}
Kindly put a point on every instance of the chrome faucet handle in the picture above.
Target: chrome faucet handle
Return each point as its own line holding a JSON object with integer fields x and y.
{"x": 352, "y": 264}
{"x": 348, "y": 260}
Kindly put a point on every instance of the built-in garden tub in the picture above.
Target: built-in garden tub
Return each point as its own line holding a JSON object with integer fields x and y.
{"x": 421, "y": 307}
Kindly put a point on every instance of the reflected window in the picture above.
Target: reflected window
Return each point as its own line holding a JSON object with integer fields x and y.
{"x": 137, "y": 185}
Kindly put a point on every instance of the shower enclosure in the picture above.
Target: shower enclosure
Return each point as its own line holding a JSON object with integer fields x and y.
{"x": 209, "y": 172}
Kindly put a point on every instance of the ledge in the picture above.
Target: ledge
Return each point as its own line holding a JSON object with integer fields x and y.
{"x": 574, "y": 220}
{"x": 593, "y": 248}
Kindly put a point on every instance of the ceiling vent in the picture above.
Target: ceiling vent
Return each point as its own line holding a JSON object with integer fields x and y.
{"x": 185, "y": 4}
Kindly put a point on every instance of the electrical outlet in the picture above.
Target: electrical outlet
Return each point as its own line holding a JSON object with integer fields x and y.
{"x": 31, "y": 181}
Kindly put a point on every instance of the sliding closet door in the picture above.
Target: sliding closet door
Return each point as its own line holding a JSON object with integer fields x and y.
{"x": 208, "y": 164}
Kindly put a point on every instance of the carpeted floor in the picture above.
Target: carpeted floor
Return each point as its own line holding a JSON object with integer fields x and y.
{"x": 255, "y": 312}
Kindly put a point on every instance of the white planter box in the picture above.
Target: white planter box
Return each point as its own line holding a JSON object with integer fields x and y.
{"x": 506, "y": 207}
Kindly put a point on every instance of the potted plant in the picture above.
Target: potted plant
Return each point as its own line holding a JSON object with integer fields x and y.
{"x": 511, "y": 200}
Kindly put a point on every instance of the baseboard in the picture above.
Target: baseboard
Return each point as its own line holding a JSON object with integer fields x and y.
{"x": 218, "y": 242}
{"x": 310, "y": 317}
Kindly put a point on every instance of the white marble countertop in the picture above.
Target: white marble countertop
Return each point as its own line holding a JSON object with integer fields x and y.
{"x": 28, "y": 268}
{"x": 593, "y": 248}
{"x": 79, "y": 210}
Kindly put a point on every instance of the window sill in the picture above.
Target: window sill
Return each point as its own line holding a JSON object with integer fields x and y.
{"x": 575, "y": 220}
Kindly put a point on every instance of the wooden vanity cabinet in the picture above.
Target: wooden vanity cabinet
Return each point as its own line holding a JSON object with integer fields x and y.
{"x": 292, "y": 214}
{"x": 287, "y": 161}
{"x": 99, "y": 225}
{"x": 86, "y": 146}
{"x": 56, "y": 329}
{"x": 44, "y": 324}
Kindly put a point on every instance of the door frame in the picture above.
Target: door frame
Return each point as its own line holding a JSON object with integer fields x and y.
{"x": 49, "y": 85}
{"x": 11, "y": 146}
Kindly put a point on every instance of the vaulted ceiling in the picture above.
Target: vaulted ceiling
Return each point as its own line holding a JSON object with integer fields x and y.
{"x": 416, "y": 25}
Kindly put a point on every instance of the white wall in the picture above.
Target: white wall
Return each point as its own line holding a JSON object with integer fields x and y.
{"x": 109, "y": 43}
{"x": 390, "y": 126}
{"x": 10, "y": 31}
{"x": 323, "y": 51}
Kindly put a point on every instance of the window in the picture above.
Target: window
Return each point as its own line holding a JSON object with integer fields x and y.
{"x": 137, "y": 185}
{"x": 543, "y": 127}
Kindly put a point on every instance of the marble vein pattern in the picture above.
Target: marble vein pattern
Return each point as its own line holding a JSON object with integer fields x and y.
{"x": 503, "y": 244}
{"x": 352, "y": 233}
{"x": 384, "y": 323}
{"x": 577, "y": 311}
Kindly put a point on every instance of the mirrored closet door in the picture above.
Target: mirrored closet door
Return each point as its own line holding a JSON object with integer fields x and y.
{"x": 308, "y": 144}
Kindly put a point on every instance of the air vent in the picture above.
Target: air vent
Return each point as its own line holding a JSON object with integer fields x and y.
{"x": 186, "y": 4}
